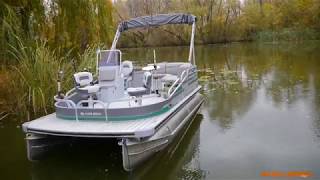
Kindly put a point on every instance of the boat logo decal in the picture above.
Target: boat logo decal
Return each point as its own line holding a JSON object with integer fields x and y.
{"x": 90, "y": 113}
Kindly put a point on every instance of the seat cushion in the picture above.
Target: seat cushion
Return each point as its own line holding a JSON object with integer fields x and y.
{"x": 137, "y": 91}
{"x": 107, "y": 73}
{"x": 169, "y": 78}
{"x": 83, "y": 78}
{"x": 127, "y": 68}
{"x": 91, "y": 89}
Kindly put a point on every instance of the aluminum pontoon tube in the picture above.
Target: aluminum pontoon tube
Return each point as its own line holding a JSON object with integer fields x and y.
{"x": 135, "y": 152}
{"x": 39, "y": 145}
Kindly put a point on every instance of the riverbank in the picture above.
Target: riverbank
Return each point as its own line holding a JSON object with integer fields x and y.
{"x": 294, "y": 35}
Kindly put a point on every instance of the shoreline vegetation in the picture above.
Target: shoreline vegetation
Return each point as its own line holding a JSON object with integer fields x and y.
{"x": 38, "y": 38}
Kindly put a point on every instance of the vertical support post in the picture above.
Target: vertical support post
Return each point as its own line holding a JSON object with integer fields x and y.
{"x": 191, "y": 51}
{"x": 59, "y": 80}
{"x": 194, "y": 56}
{"x": 76, "y": 111}
{"x": 154, "y": 60}
{"x": 106, "y": 111}
{"x": 97, "y": 63}
{"x": 115, "y": 40}
{"x": 120, "y": 68}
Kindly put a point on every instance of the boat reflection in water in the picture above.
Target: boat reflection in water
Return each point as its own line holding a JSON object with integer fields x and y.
{"x": 181, "y": 159}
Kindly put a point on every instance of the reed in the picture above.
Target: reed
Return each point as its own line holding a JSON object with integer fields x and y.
{"x": 9, "y": 30}
{"x": 34, "y": 77}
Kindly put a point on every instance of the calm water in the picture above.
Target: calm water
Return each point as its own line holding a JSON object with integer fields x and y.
{"x": 262, "y": 113}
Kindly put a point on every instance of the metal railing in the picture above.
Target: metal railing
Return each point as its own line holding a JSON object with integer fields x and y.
{"x": 104, "y": 105}
{"x": 69, "y": 104}
{"x": 174, "y": 87}
{"x": 76, "y": 107}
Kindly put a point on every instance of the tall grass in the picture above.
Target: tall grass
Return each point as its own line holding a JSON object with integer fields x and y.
{"x": 34, "y": 77}
{"x": 9, "y": 29}
{"x": 4, "y": 78}
{"x": 31, "y": 65}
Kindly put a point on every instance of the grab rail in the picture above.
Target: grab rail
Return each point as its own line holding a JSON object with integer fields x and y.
{"x": 70, "y": 91}
{"x": 172, "y": 86}
{"x": 183, "y": 76}
{"x": 95, "y": 101}
{"x": 69, "y": 103}
{"x": 105, "y": 106}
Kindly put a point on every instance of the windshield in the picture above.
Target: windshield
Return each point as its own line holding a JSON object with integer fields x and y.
{"x": 109, "y": 58}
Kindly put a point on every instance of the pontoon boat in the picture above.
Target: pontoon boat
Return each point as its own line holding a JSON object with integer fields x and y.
{"x": 143, "y": 109}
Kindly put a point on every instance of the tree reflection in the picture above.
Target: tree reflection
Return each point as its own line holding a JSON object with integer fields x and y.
{"x": 289, "y": 79}
{"x": 227, "y": 84}
{"x": 231, "y": 76}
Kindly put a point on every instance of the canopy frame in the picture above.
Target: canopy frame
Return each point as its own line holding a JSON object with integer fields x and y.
{"x": 155, "y": 21}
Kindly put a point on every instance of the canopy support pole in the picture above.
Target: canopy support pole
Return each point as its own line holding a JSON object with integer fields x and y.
{"x": 115, "y": 40}
{"x": 191, "y": 51}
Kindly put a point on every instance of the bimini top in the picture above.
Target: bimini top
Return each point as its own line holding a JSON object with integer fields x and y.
{"x": 157, "y": 20}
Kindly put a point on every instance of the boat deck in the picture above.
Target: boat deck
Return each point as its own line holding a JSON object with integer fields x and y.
{"x": 51, "y": 125}
{"x": 125, "y": 103}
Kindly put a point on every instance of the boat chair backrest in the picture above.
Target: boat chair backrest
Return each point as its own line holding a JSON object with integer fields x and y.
{"x": 107, "y": 73}
{"x": 127, "y": 68}
{"x": 109, "y": 58}
{"x": 108, "y": 66}
{"x": 172, "y": 68}
{"x": 147, "y": 80}
{"x": 83, "y": 78}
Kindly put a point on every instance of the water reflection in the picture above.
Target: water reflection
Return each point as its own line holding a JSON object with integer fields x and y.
{"x": 288, "y": 73}
{"x": 180, "y": 161}
{"x": 268, "y": 109}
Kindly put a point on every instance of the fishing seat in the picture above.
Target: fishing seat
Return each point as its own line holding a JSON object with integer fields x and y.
{"x": 107, "y": 75}
{"x": 169, "y": 78}
{"x": 174, "y": 68}
{"x": 84, "y": 84}
{"x": 127, "y": 70}
{"x": 139, "y": 91}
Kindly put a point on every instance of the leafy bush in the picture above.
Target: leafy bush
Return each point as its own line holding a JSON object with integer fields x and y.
{"x": 288, "y": 34}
